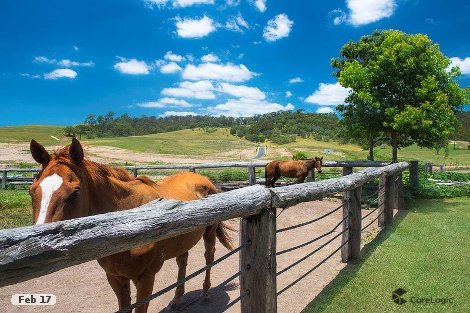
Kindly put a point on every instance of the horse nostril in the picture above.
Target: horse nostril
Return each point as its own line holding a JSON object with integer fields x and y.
{"x": 319, "y": 172}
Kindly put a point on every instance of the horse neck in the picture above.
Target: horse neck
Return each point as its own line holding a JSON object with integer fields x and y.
{"x": 310, "y": 163}
{"x": 110, "y": 193}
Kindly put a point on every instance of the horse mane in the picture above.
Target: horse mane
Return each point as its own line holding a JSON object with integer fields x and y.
{"x": 95, "y": 171}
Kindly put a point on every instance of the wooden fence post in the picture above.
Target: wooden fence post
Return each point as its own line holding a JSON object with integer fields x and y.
{"x": 258, "y": 263}
{"x": 4, "y": 180}
{"x": 347, "y": 170}
{"x": 352, "y": 224}
{"x": 251, "y": 175}
{"x": 385, "y": 196}
{"x": 414, "y": 178}
{"x": 192, "y": 169}
{"x": 311, "y": 175}
{"x": 134, "y": 170}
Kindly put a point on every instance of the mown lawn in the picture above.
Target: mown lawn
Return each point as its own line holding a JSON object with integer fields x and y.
{"x": 425, "y": 252}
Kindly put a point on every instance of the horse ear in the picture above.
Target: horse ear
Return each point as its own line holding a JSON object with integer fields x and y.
{"x": 39, "y": 153}
{"x": 321, "y": 159}
{"x": 76, "y": 151}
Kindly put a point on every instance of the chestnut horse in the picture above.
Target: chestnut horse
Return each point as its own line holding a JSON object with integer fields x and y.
{"x": 295, "y": 169}
{"x": 70, "y": 186}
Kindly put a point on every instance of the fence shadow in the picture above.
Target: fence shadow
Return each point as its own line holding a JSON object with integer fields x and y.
{"x": 215, "y": 301}
{"x": 324, "y": 298}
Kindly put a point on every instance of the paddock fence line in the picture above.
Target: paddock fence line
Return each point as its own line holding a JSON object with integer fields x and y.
{"x": 16, "y": 179}
{"x": 34, "y": 251}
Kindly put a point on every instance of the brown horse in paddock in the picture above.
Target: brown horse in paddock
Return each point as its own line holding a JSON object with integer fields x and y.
{"x": 70, "y": 186}
{"x": 295, "y": 169}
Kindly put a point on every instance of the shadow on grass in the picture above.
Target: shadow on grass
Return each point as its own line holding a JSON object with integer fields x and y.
{"x": 326, "y": 296}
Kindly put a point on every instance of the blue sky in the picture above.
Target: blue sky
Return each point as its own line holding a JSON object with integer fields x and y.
{"x": 62, "y": 60}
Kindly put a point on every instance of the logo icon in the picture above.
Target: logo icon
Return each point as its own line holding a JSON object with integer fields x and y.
{"x": 397, "y": 296}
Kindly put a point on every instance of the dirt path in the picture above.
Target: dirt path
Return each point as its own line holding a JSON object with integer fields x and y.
{"x": 84, "y": 288}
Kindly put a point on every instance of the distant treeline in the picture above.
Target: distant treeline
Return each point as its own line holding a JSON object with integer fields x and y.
{"x": 279, "y": 127}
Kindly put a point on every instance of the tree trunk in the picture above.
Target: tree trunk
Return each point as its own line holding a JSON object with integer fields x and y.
{"x": 394, "y": 147}
{"x": 371, "y": 148}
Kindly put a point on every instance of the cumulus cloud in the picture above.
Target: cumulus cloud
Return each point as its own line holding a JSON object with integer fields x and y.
{"x": 228, "y": 72}
{"x": 170, "y": 68}
{"x": 198, "y": 90}
{"x": 157, "y": 3}
{"x": 363, "y": 12}
{"x": 194, "y": 28}
{"x": 463, "y": 64}
{"x": 295, "y": 80}
{"x": 173, "y": 57}
{"x": 188, "y": 3}
{"x": 277, "y": 28}
{"x": 175, "y": 113}
{"x": 329, "y": 94}
{"x": 132, "y": 67}
{"x": 260, "y": 5}
{"x": 34, "y": 76}
{"x": 241, "y": 91}
{"x": 61, "y": 73}
{"x": 325, "y": 110}
{"x": 210, "y": 58}
{"x": 43, "y": 59}
{"x": 247, "y": 107}
{"x": 288, "y": 94}
{"x": 165, "y": 102}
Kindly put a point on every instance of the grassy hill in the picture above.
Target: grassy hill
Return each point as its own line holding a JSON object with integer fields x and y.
{"x": 41, "y": 133}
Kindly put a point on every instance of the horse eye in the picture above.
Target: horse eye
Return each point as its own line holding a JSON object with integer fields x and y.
{"x": 74, "y": 195}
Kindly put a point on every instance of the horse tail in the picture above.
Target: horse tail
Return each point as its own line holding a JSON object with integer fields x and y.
{"x": 223, "y": 235}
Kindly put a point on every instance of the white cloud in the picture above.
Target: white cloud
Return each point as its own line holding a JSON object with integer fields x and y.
{"x": 43, "y": 59}
{"x": 187, "y": 3}
{"x": 296, "y": 80}
{"x": 198, "y": 90}
{"x": 157, "y": 3}
{"x": 232, "y": 3}
{"x": 325, "y": 110}
{"x": 34, "y": 76}
{"x": 277, "y": 28}
{"x": 363, "y": 12}
{"x": 237, "y": 23}
{"x": 194, "y": 28}
{"x": 170, "y": 68}
{"x": 288, "y": 94}
{"x": 60, "y": 73}
{"x": 261, "y": 5}
{"x": 328, "y": 94}
{"x": 69, "y": 63}
{"x": 132, "y": 66}
{"x": 174, "y": 113}
{"x": 229, "y": 72}
{"x": 75, "y": 48}
{"x": 173, "y": 57}
{"x": 463, "y": 64}
{"x": 247, "y": 107}
{"x": 165, "y": 102}
{"x": 242, "y": 91}
{"x": 210, "y": 58}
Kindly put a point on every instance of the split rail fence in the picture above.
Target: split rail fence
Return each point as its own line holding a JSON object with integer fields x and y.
{"x": 34, "y": 251}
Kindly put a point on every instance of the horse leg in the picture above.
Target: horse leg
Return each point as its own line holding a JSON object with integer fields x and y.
{"x": 144, "y": 285}
{"x": 301, "y": 179}
{"x": 122, "y": 289}
{"x": 182, "y": 261}
{"x": 275, "y": 178}
{"x": 209, "y": 245}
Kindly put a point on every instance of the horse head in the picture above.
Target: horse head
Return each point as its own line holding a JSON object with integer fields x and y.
{"x": 318, "y": 164}
{"x": 57, "y": 192}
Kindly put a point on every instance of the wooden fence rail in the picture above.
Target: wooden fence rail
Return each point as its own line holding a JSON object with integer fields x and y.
{"x": 250, "y": 166}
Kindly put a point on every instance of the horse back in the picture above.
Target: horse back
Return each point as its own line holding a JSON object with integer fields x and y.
{"x": 185, "y": 186}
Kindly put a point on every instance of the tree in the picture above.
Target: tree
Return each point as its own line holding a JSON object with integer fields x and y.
{"x": 401, "y": 88}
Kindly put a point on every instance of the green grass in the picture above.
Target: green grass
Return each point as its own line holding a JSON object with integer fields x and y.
{"x": 182, "y": 142}
{"x": 425, "y": 252}
{"x": 41, "y": 133}
{"x": 15, "y": 208}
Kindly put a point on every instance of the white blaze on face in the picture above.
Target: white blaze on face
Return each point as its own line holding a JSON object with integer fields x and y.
{"x": 48, "y": 186}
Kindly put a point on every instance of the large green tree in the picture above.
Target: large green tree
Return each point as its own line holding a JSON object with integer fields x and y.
{"x": 402, "y": 88}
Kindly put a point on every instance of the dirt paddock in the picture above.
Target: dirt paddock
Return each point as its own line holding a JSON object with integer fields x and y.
{"x": 84, "y": 288}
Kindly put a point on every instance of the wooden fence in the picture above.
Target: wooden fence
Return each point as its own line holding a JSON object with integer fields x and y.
{"x": 34, "y": 251}
{"x": 250, "y": 166}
